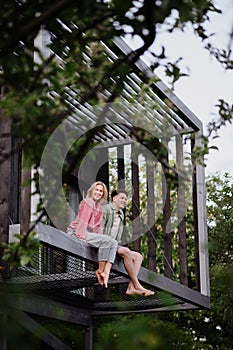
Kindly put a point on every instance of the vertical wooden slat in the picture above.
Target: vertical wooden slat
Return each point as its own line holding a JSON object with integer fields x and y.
{"x": 166, "y": 184}
{"x": 3, "y": 338}
{"x": 181, "y": 214}
{"x": 5, "y": 148}
{"x": 151, "y": 217}
{"x": 101, "y": 162}
{"x": 25, "y": 205}
{"x": 201, "y": 236}
{"x": 89, "y": 338}
{"x": 94, "y": 167}
{"x": 10, "y": 175}
{"x": 10, "y": 168}
{"x": 15, "y": 179}
{"x": 120, "y": 167}
{"x": 135, "y": 200}
{"x": 121, "y": 182}
{"x": 195, "y": 221}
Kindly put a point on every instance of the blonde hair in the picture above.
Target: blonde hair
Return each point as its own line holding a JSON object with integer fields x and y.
{"x": 90, "y": 190}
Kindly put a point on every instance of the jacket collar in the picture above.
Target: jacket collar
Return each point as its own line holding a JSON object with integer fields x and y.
{"x": 120, "y": 211}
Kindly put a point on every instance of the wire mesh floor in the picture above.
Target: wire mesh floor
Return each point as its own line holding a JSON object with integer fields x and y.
{"x": 61, "y": 276}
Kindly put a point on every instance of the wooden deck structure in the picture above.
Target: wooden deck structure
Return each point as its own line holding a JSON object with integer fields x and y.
{"x": 62, "y": 275}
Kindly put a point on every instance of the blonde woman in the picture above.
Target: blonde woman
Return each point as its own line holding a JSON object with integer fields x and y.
{"x": 88, "y": 226}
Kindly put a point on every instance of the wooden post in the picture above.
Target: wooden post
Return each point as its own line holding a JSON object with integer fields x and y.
{"x": 195, "y": 223}
{"x": 89, "y": 338}
{"x": 5, "y": 169}
{"x": 151, "y": 217}
{"x": 120, "y": 166}
{"x": 101, "y": 163}
{"x": 3, "y": 338}
{"x": 167, "y": 220}
{"x": 25, "y": 203}
{"x": 181, "y": 214}
{"x": 121, "y": 181}
{"x": 135, "y": 200}
{"x": 15, "y": 179}
{"x": 10, "y": 171}
{"x": 200, "y": 225}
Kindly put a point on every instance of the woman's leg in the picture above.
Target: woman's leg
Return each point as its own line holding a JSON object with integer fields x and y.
{"x": 108, "y": 264}
{"x": 101, "y": 267}
{"x": 105, "y": 274}
{"x": 106, "y": 254}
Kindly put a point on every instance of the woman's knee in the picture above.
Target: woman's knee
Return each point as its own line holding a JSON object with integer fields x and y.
{"x": 115, "y": 244}
{"x": 111, "y": 242}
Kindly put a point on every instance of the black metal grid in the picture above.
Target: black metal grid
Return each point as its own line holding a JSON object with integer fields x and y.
{"x": 59, "y": 275}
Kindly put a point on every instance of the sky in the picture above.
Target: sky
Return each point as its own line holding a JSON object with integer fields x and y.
{"x": 207, "y": 81}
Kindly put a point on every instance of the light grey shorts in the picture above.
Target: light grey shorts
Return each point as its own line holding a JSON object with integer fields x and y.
{"x": 107, "y": 247}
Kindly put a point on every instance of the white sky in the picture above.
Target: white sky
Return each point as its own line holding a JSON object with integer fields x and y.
{"x": 207, "y": 81}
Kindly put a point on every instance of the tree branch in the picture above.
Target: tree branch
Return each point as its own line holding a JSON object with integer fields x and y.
{"x": 34, "y": 24}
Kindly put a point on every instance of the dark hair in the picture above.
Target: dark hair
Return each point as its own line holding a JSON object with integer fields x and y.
{"x": 116, "y": 192}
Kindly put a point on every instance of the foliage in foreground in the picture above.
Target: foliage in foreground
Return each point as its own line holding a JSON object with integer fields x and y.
{"x": 148, "y": 332}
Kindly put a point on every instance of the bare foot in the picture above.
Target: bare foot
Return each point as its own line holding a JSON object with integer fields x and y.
{"x": 99, "y": 277}
{"x": 140, "y": 291}
{"x": 105, "y": 277}
{"x": 148, "y": 292}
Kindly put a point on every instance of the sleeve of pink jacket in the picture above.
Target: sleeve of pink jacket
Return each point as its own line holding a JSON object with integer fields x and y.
{"x": 83, "y": 218}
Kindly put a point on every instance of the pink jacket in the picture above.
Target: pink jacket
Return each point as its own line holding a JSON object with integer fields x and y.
{"x": 89, "y": 218}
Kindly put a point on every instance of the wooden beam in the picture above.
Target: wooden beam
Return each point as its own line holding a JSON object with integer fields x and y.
{"x": 39, "y": 331}
{"x": 47, "y": 307}
{"x": 178, "y": 307}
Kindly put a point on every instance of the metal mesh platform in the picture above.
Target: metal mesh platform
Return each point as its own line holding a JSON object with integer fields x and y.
{"x": 59, "y": 275}
{"x": 64, "y": 270}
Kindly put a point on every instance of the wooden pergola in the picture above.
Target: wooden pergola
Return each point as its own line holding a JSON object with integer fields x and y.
{"x": 62, "y": 275}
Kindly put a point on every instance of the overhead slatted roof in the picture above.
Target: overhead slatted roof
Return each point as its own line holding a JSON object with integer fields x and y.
{"x": 162, "y": 109}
